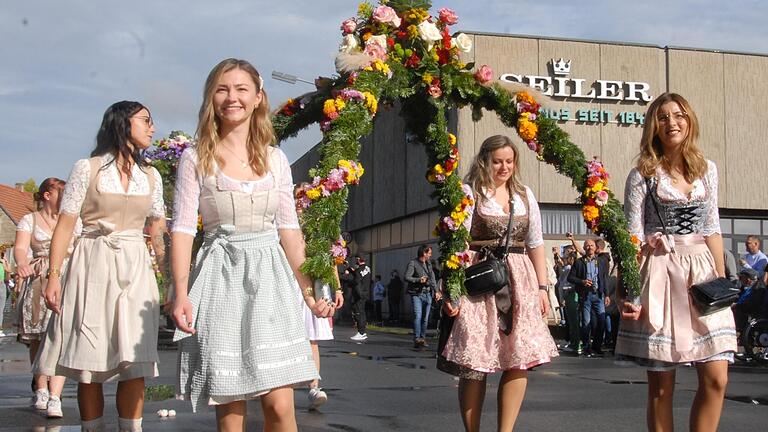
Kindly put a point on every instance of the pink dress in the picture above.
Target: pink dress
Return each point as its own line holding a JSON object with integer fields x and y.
{"x": 476, "y": 346}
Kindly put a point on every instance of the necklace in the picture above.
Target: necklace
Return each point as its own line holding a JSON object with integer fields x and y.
{"x": 243, "y": 164}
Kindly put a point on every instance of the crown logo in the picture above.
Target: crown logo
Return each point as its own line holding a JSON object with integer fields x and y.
{"x": 561, "y": 67}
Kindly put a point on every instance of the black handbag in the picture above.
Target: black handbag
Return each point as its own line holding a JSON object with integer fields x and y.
{"x": 714, "y": 296}
{"x": 491, "y": 274}
{"x": 711, "y": 296}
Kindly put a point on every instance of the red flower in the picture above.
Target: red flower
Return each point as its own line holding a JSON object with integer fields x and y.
{"x": 592, "y": 181}
{"x": 402, "y": 35}
{"x": 444, "y": 56}
{"x": 390, "y": 42}
{"x": 412, "y": 61}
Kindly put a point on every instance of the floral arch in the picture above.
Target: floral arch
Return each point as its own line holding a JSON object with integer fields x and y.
{"x": 398, "y": 51}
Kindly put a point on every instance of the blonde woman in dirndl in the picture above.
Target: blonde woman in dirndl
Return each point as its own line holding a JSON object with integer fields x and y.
{"x": 237, "y": 316}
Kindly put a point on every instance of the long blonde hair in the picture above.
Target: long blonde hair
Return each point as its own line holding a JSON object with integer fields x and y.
{"x": 480, "y": 176}
{"x": 260, "y": 133}
{"x": 652, "y": 152}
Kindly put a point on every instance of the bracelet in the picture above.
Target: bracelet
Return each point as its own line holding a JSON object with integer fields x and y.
{"x": 544, "y": 288}
{"x": 53, "y": 272}
{"x": 309, "y": 292}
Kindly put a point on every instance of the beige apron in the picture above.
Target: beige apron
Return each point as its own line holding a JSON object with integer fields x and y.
{"x": 110, "y": 311}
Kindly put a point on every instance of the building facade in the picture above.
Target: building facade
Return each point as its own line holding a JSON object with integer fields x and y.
{"x": 599, "y": 92}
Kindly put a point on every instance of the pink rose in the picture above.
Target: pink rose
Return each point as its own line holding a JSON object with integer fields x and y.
{"x": 385, "y": 14}
{"x": 376, "y": 51}
{"x": 448, "y": 16}
{"x": 435, "y": 91}
{"x": 349, "y": 26}
{"x": 484, "y": 74}
{"x": 601, "y": 198}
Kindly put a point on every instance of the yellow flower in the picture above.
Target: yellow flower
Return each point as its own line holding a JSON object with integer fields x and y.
{"x": 329, "y": 107}
{"x": 598, "y": 187}
{"x": 370, "y": 102}
{"x": 451, "y": 139}
{"x": 458, "y": 217}
{"x": 359, "y": 171}
{"x": 453, "y": 262}
{"x": 527, "y": 130}
{"x": 380, "y": 66}
{"x": 313, "y": 194}
{"x": 590, "y": 212}
{"x": 413, "y": 31}
{"x": 339, "y": 102}
{"x": 438, "y": 169}
{"x": 345, "y": 164}
{"x": 426, "y": 78}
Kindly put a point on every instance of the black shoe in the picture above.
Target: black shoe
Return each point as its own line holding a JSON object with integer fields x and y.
{"x": 597, "y": 353}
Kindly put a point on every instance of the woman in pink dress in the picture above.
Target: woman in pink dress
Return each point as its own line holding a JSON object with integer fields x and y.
{"x": 673, "y": 190}
{"x": 484, "y": 339}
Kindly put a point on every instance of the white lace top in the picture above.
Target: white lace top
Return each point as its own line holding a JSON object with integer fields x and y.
{"x": 109, "y": 182}
{"x": 189, "y": 184}
{"x": 490, "y": 207}
{"x": 703, "y": 189}
{"x": 26, "y": 224}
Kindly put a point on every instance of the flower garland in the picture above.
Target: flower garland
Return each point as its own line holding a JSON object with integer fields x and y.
{"x": 164, "y": 156}
{"x": 399, "y": 51}
{"x": 602, "y": 213}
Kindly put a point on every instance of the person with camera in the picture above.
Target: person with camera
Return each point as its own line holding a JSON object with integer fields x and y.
{"x": 420, "y": 276}
{"x": 589, "y": 276}
{"x": 357, "y": 281}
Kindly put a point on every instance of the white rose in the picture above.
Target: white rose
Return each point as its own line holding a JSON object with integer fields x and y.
{"x": 462, "y": 42}
{"x": 349, "y": 43}
{"x": 380, "y": 40}
{"x": 429, "y": 33}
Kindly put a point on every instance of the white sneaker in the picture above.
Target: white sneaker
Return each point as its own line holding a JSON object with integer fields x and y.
{"x": 317, "y": 397}
{"x": 359, "y": 337}
{"x": 54, "y": 407}
{"x": 40, "y": 399}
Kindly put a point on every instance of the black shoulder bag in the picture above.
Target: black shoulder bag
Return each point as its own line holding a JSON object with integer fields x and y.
{"x": 711, "y": 296}
{"x": 491, "y": 274}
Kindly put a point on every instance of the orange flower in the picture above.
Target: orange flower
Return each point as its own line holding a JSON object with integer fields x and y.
{"x": 525, "y": 97}
{"x": 590, "y": 213}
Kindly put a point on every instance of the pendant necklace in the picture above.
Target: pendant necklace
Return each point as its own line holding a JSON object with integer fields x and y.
{"x": 242, "y": 162}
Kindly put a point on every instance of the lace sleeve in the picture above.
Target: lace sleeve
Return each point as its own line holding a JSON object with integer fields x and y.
{"x": 471, "y": 209}
{"x": 76, "y": 188}
{"x": 25, "y": 223}
{"x": 534, "y": 238}
{"x": 634, "y": 199}
{"x": 158, "y": 206}
{"x": 286, "y": 217}
{"x": 186, "y": 194}
{"x": 712, "y": 217}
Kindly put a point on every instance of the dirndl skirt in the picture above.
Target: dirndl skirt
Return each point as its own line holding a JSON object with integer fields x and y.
{"x": 250, "y": 335}
{"x": 477, "y": 346}
{"x": 110, "y": 312}
{"x": 670, "y": 330}
{"x": 32, "y": 315}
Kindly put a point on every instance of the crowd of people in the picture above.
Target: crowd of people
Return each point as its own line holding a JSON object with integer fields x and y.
{"x": 248, "y": 320}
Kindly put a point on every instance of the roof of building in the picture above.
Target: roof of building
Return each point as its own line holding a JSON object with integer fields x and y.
{"x": 15, "y": 203}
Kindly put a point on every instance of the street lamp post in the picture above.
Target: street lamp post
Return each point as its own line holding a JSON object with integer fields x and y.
{"x": 288, "y": 78}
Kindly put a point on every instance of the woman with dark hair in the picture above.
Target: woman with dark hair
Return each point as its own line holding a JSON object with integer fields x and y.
{"x": 486, "y": 336}
{"x": 106, "y": 306}
{"x": 34, "y": 232}
{"x": 237, "y": 314}
{"x": 674, "y": 185}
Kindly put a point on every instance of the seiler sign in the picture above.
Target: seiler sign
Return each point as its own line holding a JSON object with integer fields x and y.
{"x": 560, "y": 85}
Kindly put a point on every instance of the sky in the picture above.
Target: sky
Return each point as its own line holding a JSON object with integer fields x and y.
{"x": 62, "y": 63}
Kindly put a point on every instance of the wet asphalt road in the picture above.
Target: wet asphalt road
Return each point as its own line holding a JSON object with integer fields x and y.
{"x": 384, "y": 384}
